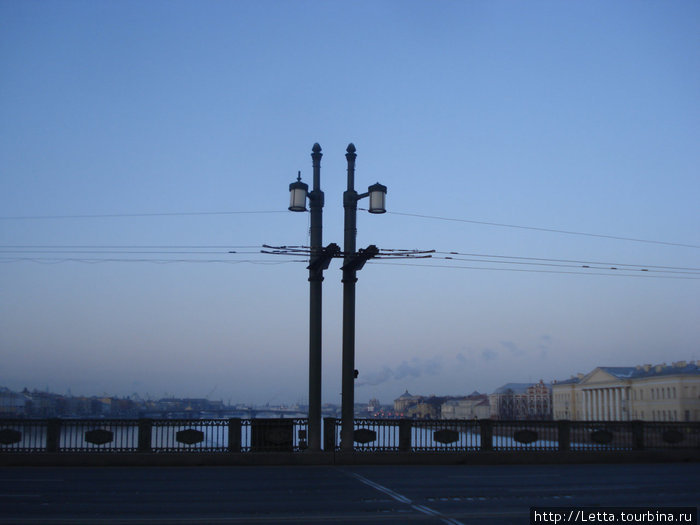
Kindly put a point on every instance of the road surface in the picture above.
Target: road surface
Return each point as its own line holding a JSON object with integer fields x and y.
{"x": 338, "y": 495}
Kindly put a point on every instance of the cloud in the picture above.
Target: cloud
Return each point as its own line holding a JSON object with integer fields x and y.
{"x": 413, "y": 369}
{"x": 488, "y": 355}
{"x": 512, "y": 347}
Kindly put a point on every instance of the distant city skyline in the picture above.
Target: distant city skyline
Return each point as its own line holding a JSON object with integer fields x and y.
{"x": 547, "y": 152}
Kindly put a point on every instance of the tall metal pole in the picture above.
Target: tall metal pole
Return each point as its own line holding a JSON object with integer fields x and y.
{"x": 315, "y": 301}
{"x": 350, "y": 198}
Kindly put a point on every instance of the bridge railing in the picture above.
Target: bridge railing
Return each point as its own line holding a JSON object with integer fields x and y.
{"x": 387, "y": 435}
{"x": 370, "y": 435}
{"x": 153, "y": 435}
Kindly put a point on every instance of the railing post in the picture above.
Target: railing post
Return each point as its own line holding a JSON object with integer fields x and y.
{"x": 564, "y": 435}
{"x": 637, "y": 434}
{"x": 405, "y": 435}
{"x": 53, "y": 435}
{"x": 486, "y": 434}
{"x": 145, "y": 427}
{"x": 329, "y": 424}
{"x": 234, "y": 434}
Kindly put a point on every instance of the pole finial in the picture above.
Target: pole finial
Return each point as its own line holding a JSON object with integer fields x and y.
{"x": 316, "y": 148}
{"x": 351, "y": 148}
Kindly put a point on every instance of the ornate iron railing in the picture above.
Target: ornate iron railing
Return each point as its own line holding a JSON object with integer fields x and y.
{"x": 371, "y": 435}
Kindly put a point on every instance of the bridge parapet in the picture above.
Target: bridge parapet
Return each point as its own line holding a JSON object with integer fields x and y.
{"x": 237, "y": 435}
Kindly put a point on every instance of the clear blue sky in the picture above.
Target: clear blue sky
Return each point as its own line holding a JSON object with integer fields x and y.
{"x": 574, "y": 116}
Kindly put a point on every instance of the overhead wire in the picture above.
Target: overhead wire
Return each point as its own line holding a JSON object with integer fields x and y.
{"x": 97, "y": 260}
{"x": 405, "y": 214}
{"x": 18, "y": 253}
{"x": 110, "y": 253}
{"x": 549, "y": 230}
{"x": 565, "y": 260}
{"x": 563, "y": 263}
{"x": 507, "y": 262}
{"x": 584, "y": 269}
{"x": 586, "y": 273}
{"x": 134, "y": 246}
{"x": 127, "y": 215}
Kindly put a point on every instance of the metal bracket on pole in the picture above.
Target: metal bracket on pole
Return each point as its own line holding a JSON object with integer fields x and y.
{"x": 322, "y": 260}
{"x": 358, "y": 260}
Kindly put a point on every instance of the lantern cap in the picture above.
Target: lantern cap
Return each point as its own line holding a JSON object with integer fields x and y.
{"x": 298, "y": 184}
{"x": 377, "y": 187}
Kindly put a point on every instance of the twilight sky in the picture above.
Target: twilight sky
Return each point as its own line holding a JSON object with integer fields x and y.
{"x": 140, "y": 142}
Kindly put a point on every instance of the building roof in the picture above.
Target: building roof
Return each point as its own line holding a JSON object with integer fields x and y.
{"x": 638, "y": 372}
{"x": 516, "y": 388}
{"x": 570, "y": 381}
{"x": 621, "y": 372}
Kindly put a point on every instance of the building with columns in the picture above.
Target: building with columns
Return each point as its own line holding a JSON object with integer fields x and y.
{"x": 647, "y": 393}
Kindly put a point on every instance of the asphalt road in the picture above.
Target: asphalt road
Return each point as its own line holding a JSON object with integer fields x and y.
{"x": 339, "y": 495}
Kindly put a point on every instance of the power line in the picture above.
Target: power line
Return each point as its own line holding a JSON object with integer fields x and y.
{"x": 642, "y": 275}
{"x": 549, "y": 230}
{"x": 501, "y": 259}
{"x": 60, "y": 260}
{"x": 131, "y": 246}
{"x": 97, "y": 260}
{"x": 417, "y": 215}
{"x": 508, "y": 262}
{"x": 125, "y": 215}
{"x": 630, "y": 268}
{"x": 565, "y": 260}
{"x": 135, "y": 252}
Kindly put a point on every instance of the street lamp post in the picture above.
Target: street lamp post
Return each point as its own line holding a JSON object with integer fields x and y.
{"x": 298, "y": 195}
{"x": 319, "y": 261}
{"x": 352, "y": 263}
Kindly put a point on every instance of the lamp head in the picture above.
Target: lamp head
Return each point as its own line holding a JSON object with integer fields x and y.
{"x": 297, "y": 194}
{"x": 377, "y": 198}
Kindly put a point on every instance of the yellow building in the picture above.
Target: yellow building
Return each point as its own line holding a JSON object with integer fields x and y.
{"x": 647, "y": 393}
{"x": 404, "y": 401}
{"x": 424, "y": 410}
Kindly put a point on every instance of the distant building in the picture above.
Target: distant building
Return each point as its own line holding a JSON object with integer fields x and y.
{"x": 427, "y": 408}
{"x": 13, "y": 404}
{"x": 404, "y": 401}
{"x": 521, "y": 401}
{"x": 474, "y": 406}
{"x": 645, "y": 392}
{"x": 374, "y": 406}
{"x": 46, "y": 404}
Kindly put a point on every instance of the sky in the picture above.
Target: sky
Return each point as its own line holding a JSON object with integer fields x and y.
{"x": 141, "y": 142}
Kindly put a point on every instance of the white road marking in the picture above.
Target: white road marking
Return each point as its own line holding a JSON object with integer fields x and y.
{"x": 403, "y": 499}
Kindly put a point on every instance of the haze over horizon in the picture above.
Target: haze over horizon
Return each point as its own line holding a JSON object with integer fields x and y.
{"x": 543, "y": 142}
